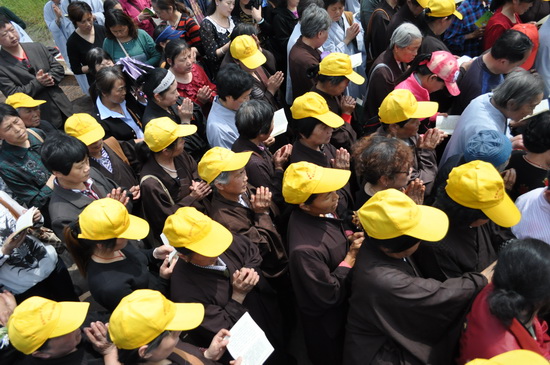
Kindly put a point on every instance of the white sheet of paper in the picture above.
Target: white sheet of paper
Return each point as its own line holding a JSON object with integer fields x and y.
{"x": 25, "y": 220}
{"x": 543, "y": 20}
{"x": 280, "y": 123}
{"x": 463, "y": 59}
{"x": 447, "y": 124}
{"x": 356, "y": 60}
{"x": 249, "y": 342}
{"x": 540, "y": 108}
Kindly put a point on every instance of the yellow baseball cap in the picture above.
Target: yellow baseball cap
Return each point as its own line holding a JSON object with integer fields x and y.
{"x": 245, "y": 49}
{"x": 197, "y": 232}
{"x": 513, "y": 357}
{"x": 314, "y": 105}
{"x": 441, "y": 8}
{"x": 38, "y": 319}
{"x": 401, "y": 105}
{"x": 478, "y": 185}
{"x": 84, "y": 127}
{"x": 390, "y": 214}
{"x": 142, "y": 316}
{"x": 159, "y": 133}
{"x": 218, "y": 159}
{"x": 339, "y": 64}
{"x": 20, "y": 100}
{"x": 107, "y": 218}
{"x": 302, "y": 179}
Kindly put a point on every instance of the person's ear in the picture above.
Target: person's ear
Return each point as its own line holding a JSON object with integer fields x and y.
{"x": 305, "y": 207}
{"x": 142, "y": 352}
{"x": 157, "y": 97}
{"x": 511, "y": 104}
{"x": 41, "y": 355}
{"x": 392, "y": 129}
{"x": 220, "y": 187}
{"x": 547, "y": 194}
{"x": 385, "y": 181}
{"x": 57, "y": 174}
{"x": 168, "y": 60}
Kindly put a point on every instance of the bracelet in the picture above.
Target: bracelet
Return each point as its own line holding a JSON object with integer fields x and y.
{"x": 261, "y": 21}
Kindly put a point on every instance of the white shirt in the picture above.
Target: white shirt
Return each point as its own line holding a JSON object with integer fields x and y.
{"x": 535, "y": 216}
{"x": 105, "y": 113}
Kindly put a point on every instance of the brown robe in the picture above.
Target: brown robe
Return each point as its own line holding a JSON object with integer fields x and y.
{"x": 300, "y": 58}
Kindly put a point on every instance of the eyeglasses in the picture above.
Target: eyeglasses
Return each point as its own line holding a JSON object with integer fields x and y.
{"x": 26, "y": 63}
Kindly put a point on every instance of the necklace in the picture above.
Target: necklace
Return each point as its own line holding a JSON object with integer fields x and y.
{"x": 534, "y": 163}
{"x": 109, "y": 258}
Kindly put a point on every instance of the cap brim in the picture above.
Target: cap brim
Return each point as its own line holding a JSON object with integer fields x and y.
{"x": 214, "y": 243}
{"x": 331, "y": 119}
{"x": 238, "y": 161}
{"x": 423, "y": 3}
{"x": 425, "y": 109}
{"x": 137, "y": 229}
{"x": 432, "y": 227}
{"x": 188, "y": 316}
{"x": 453, "y": 89}
{"x": 32, "y": 104}
{"x": 332, "y": 180}
{"x": 185, "y": 130}
{"x": 177, "y": 34}
{"x": 458, "y": 15}
{"x": 92, "y": 136}
{"x": 254, "y": 61}
{"x": 72, "y": 317}
{"x": 356, "y": 78}
{"x": 505, "y": 213}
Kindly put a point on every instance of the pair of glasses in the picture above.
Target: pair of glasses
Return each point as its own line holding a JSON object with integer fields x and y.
{"x": 26, "y": 63}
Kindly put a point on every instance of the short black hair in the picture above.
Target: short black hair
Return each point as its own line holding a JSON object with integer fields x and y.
{"x": 305, "y": 126}
{"x": 96, "y": 56}
{"x": 151, "y": 80}
{"x": 232, "y": 81}
{"x": 61, "y": 151}
{"x": 396, "y": 244}
{"x": 132, "y": 356}
{"x": 76, "y": 11}
{"x": 243, "y": 29}
{"x": 4, "y": 21}
{"x": 253, "y": 118}
{"x": 457, "y": 213}
{"x": 7, "y": 110}
{"x": 536, "y": 136}
{"x": 173, "y": 49}
{"x": 512, "y": 46}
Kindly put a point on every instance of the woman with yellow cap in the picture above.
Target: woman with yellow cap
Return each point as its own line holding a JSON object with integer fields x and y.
{"x": 114, "y": 267}
{"x": 169, "y": 177}
{"x": 333, "y": 76}
{"x": 320, "y": 257}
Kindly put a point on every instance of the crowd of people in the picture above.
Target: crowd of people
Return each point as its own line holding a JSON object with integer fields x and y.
{"x": 281, "y": 159}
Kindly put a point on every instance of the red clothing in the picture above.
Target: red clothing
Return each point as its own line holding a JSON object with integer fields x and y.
{"x": 485, "y": 336}
{"x": 496, "y": 26}
{"x": 199, "y": 80}
{"x": 191, "y": 28}
{"x": 133, "y": 8}
{"x": 419, "y": 92}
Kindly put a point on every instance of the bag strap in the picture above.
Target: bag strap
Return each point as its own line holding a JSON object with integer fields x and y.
{"x": 115, "y": 146}
{"x": 123, "y": 49}
{"x": 13, "y": 212}
{"x": 35, "y": 134}
{"x": 368, "y": 33}
{"x": 161, "y": 184}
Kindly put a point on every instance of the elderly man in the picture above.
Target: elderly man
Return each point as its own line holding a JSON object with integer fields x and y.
{"x": 535, "y": 214}
{"x": 29, "y": 112}
{"x": 305, "y": 53}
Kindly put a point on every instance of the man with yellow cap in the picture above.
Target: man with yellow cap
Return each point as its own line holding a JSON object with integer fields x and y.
{"x": 477, "y": 204}
{"x": 29, "y": 112}
{"x": 146, "y": 327}
{"x": 396, "y": 315}
{"x": 221, "y": 270}
{"x": 314, "y": 124}
{"x": 242, "y": 211}
{"x": 49, "y": 333}
{"x": 400, "y": 115}
{"x": 321, "y": 257}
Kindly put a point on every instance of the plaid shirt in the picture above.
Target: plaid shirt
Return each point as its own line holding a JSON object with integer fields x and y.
{"x": 24, "y": 173}
{"x": 471, "y": 10}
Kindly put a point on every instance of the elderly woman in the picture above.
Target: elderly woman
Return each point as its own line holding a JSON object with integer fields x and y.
{"x": 305, "y": 53}
{"x": 476, "y": 204}
{"x": 514, "y": 99}
{"x": 29, "y": 112}
{"x": 387, "y": 68}
{"x": 117, "y": 113}
{"x": 505, "y": 315}
{"x": 382, "y": 163}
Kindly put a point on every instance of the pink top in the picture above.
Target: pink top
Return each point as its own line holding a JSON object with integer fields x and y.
{"x": 133, "y": 8}
{"x": 419, "y": 92}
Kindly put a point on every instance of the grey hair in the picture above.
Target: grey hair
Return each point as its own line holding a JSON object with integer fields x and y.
{"x": 521, "y": 86}
{"x": 404, "y": 35}
{"x": 222, "y": 178}
{"x": 314, "y": 20}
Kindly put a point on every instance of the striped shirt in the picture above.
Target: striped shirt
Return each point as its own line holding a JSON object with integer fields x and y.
{"x": 535, "y": 216}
